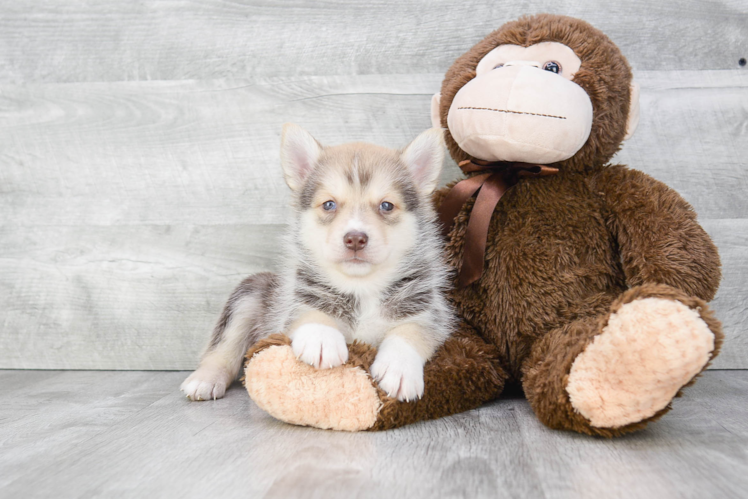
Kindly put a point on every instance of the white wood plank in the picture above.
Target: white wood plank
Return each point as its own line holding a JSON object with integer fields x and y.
{"x": 121, "y": 297}
{"x": 95, "y": 40}
{"x": 191, "y": 152}
{"x": 130, "y": 210}
{"x": 133, "y": 435}
{"x": 53, "y": 413}
{"x": 693, "y": 135}
{"x": 146, "y": 297}
{"x": 207, "y": 152}
{"x": 731, "y": 302}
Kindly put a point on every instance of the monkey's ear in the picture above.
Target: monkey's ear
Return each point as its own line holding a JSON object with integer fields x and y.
{"x": 424, "y": 158}
{"x": 436, "y": 120}
{"x": 299, "y": 154}
{"x": 633, "y": 119}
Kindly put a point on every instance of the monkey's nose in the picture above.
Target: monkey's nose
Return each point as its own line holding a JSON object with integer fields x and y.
{"x": 355, "y": 240}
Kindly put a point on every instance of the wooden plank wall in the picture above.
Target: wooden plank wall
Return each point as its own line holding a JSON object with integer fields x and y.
{"x": 139, "y": 177}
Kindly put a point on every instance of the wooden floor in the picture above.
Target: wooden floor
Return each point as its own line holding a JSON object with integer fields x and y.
{"x": 132, "y": 434}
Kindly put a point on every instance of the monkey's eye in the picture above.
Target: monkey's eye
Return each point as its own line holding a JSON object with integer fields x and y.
{"x": 552, "y": 66}
{"x": 386, "y": 206}
{"x": 498, "y": 66}
{"x": 329, "y": 205}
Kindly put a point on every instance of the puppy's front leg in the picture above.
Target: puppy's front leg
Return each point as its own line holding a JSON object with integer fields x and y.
{"x": 316, "y": 340}
{"x": 398, "y": 367}
{"x": 239, "y": 326}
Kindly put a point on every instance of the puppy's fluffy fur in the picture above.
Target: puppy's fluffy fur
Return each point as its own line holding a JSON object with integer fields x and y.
{"x": 362, "y": 262}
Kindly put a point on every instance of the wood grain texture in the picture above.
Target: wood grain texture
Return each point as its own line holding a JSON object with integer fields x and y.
{"x": 55, "y": 413}
{"x": 130, "y": 210}
{"x": 693, "y": 135}
{"x": 103, "y": 434}
{"x": 92, "y": 40}
{"x": 731, "y": 302}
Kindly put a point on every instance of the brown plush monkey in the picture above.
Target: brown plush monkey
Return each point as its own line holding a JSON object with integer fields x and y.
{"x": 591, "y": 290}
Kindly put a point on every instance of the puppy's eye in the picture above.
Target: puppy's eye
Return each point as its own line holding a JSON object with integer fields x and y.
{"x": 386, "y": 206}
{"x": 329, "y": 205}
{"x": 552, "y": 66}
{"x": 499, "y": 66}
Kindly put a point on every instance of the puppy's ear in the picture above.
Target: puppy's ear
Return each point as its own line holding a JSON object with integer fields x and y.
{"x": 299, "y": 154}
{"x": 424, "y": 158}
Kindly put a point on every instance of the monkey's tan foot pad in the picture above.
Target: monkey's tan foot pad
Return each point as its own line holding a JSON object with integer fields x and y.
{"x": 342, "y": 398}
{"x": 647, "y": 352}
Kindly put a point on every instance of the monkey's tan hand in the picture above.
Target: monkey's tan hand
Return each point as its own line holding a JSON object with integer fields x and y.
{"x": 343, "y": 398}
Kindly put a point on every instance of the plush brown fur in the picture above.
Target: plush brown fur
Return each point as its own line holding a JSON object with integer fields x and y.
{"x": 563, "y": 253}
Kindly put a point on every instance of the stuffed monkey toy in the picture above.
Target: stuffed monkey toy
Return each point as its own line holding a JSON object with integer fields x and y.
{"x": 584, "y": 282}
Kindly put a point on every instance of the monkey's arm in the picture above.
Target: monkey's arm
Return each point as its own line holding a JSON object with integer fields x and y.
{"x": 464, "y": 373}
{"x": 659, "y": 239}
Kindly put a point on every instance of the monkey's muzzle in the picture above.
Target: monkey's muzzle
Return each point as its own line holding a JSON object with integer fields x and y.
{"x": 520, "y": 113}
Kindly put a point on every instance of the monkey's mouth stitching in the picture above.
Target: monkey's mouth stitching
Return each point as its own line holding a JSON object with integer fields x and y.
{"x": 514, "y": 112}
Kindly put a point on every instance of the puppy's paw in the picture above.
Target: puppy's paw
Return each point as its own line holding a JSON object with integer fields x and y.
{"x": 205, "y": 383}
{"x": 398, "y": 369}
{"x": 319, "y": 345}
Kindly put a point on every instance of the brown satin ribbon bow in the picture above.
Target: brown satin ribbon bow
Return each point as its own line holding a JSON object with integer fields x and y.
{"x": 490, "y": 186}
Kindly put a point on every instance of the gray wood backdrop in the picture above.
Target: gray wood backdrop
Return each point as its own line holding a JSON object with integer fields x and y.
{"x": 139, "y": 176}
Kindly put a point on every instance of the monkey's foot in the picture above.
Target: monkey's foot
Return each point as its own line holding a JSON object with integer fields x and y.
{"x": 340, "y": 398}
{"x": 648, "y": 351}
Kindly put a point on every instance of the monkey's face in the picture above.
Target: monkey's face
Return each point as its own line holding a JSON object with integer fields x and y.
{"x": 523, "y": 105}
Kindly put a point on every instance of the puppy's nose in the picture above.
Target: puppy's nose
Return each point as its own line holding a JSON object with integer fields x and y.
{"x": 355, "y": 240}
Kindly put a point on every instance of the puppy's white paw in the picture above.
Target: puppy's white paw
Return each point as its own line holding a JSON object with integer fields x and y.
{"x": 205, "y": 383}
{"x": 319, "y": 345}
{"x": 398, "y": 369}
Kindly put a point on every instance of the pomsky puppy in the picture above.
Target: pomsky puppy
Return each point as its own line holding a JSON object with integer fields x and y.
{"x": 363, "y": 261}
